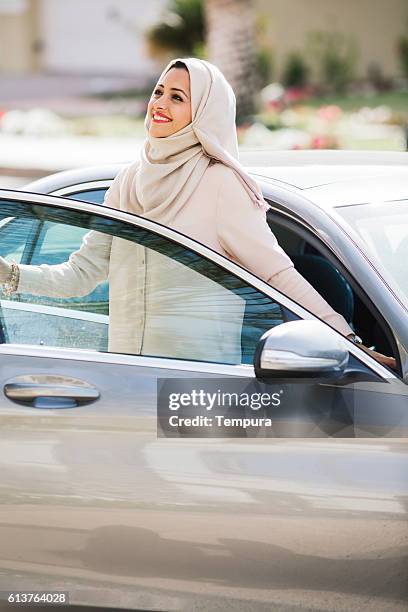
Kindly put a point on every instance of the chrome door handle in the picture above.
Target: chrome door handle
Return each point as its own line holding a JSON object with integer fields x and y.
{"x": 50, "y": 391}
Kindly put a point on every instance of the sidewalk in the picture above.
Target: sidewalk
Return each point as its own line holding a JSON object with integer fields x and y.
{"x": 71, "y": 96}
{"x": 24, "y": 91}
{"x": 34, "y": 156}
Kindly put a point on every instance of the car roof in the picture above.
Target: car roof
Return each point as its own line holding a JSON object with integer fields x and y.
{"x": 309, "y": 177}
{"x": 68, "y": 178}
{"x": 328, "y": 178}
{"x": 365, "y": 190}
{"x": 337, "y": 178}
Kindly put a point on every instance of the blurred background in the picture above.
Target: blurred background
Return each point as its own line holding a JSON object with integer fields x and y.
{"x": 75, "y": 77}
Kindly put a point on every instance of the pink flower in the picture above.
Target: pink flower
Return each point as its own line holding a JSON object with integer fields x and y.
{"x": 330, "y": 112}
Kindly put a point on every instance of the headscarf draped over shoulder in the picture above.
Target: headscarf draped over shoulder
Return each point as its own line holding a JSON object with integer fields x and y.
{"x": 172, "y": 167}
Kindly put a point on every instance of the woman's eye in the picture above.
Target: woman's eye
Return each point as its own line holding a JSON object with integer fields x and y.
{"x": 157, "y": 92}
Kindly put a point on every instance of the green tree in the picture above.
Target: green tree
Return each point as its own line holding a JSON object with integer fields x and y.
{"x": 335, "y": 55}
{"x": 295, "y": 71}
{"x": 180, "y": 31}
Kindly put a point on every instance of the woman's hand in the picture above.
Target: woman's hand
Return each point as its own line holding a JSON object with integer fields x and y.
{"x": 5, "y": 269}
{"x": 383, "y": 359}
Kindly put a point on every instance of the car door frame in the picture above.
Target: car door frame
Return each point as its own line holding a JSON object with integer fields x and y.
{"x": 199, "y": 248}
{"x": 76, "y": 189}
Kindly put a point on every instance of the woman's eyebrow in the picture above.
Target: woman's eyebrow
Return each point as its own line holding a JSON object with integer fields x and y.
{"x": 173, "y": 88}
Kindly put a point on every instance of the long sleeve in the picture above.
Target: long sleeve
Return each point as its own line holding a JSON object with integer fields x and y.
{"x": 74, "y": 278}
{"x": 292, "y": 284}
{"x": 84, "y": 269}
{"x": 245, "y": 235}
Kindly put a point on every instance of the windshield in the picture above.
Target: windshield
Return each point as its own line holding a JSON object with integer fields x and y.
{"x": 384, "y": 229}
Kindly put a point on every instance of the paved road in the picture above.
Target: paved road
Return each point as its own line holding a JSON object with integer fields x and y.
{"x": 48, "y": 154}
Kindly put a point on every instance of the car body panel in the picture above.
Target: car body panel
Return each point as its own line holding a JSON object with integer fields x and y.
{"x": 94, "y": 502}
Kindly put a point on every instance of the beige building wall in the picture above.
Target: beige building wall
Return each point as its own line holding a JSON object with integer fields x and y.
{"x": 375, "y": 24}
{"x": 75, "y": 36}
{"x": 97, "y": 36}
{"x": 18, "y": 36}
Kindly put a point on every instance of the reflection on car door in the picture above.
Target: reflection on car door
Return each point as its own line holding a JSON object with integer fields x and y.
{"x": 93, "y": 502}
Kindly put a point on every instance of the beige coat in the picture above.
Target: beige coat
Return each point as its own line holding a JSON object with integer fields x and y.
{"x": 154, "y": 304}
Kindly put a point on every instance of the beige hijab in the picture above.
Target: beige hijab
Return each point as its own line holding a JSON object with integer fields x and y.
{"x": 171, "y": 167}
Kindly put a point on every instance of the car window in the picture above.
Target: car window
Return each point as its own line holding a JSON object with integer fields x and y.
{"x": 54, "y": 245}
{"x": 91, "y": 195}
{"x": 16, "y": 235}
{"x": 166, "y": 300}
{"x": 56, "y": 242}
{"x": 328, "y": 277}
{"x": 383, "y": 228}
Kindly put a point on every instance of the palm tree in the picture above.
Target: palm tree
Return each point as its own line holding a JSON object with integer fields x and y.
{"x": 230, "y": 44}
{"x": 222, "y": 31}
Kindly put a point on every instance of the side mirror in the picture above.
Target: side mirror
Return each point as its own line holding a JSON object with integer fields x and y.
{"x": 301, "y": 349}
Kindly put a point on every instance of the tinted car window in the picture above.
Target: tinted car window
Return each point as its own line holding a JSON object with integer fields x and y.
{"x": 92, "y": 195}
{"x": 189, "y": 307}
{"x": 17, "y": 237}
{"x": 55, "y": 243}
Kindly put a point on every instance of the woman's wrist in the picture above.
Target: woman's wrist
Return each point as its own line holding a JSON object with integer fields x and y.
{"x": 355, "y": 339}
{"x": 11, "y": 283}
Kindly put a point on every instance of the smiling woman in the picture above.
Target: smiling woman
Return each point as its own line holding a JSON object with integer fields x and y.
{"x": 189, "y": 178}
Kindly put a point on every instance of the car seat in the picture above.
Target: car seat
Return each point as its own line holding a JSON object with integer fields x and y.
{"x": 328, "y": 281}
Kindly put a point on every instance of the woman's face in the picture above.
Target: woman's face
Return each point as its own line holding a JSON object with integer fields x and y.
{"x": 169, "y": 108}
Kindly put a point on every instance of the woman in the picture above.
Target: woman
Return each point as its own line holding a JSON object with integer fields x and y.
{"x": 190, "y": 179}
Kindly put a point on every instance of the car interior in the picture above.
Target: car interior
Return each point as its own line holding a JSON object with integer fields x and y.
{"x": 313, "y": 260}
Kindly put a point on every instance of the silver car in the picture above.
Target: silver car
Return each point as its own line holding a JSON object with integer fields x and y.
{"x": 97, "y": 503}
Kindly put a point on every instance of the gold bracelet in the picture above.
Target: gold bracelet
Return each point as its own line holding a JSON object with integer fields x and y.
{"x": 11, "y": 283}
